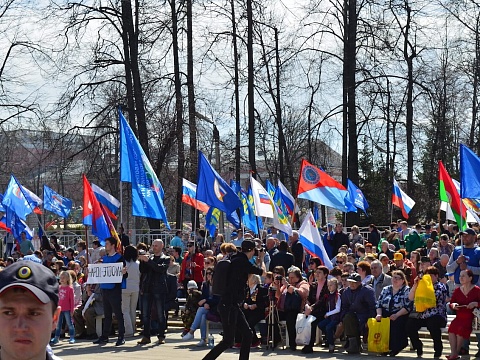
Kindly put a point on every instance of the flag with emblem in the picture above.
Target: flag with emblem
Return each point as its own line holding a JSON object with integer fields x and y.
{"x": 56, "y": 203}
{"x": 135, "y": 168}
{"x": 316, "y": 185}
{"x": 15, "y": 200}
{"x": 213, "y": 190}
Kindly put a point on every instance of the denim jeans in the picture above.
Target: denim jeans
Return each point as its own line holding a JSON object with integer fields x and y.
{"x": 200, "y": 321}
{"x": 68, "y": 319}
{"x": 148, "y": 299}
{"x": 328, "y": 327}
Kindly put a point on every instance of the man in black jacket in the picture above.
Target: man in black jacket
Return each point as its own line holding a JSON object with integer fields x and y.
{"x": 155, "y": 289}
{"x": 282, "y": 257}
{"x": 339, "y": 239}
{"x": 229, "y": 307}
{"x": 358, "y": 305}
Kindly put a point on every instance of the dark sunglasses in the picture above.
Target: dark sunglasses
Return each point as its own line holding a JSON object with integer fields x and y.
{"x": 208, "y": 273}
{"x": 339, "y": 262}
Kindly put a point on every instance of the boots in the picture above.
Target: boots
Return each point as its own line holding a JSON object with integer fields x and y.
{"x": 353, "y": 345}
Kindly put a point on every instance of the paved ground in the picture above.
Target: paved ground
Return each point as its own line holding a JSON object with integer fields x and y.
{"x": 186, "y": 350}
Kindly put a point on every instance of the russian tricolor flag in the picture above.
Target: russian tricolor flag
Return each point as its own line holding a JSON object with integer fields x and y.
{"x": 312, "y": 241}
{"x": 189, "y": 194}
{"x": 109, "y": 202}
{"x": 287, "y": 198}
{"x": 402, "y": 200}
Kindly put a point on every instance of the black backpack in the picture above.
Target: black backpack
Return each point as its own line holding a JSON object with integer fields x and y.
{"x": 220, "y": 276}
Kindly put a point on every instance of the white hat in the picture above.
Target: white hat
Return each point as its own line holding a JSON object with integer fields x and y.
{"x": 192, "y": 285}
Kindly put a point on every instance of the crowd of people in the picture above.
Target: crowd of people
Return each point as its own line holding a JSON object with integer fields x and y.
{"x": 374, "y": 275}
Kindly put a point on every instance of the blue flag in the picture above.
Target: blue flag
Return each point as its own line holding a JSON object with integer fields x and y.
{"x": 14, "y": 199}
{"x": 356, "y": 196}
{"x": 316, "y": 213}
{"x": 248, "y": 218}
{"x": 270, "y": 188}
{"x": 147, "y": 192}
{"x": 16, "y": 225}
{"x": 213, "y": 190}
{"x": 56, "y": 203}
{"x": 469, "y": 174}
{"x": 212, "y": 219}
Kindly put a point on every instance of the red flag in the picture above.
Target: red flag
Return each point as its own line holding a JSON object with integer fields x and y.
{"x": 93, "y": 214}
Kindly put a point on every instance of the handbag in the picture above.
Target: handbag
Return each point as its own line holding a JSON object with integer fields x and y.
{"x": 414, "y": 315}
{"x": 425, "y": 294}
{"x": 293, "y": 302}
{"x": 303, "y": 328}
{"x": 378, "y": 335}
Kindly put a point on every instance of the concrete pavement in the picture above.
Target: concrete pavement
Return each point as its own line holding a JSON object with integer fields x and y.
{"x": 176, "y": 348}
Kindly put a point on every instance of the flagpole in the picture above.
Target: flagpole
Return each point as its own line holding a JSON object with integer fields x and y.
{"x": 293, "y": 214}
{"x": 86, "y": 244}
{"x": 391, "y": 212}
{"x": 121, "y": 202}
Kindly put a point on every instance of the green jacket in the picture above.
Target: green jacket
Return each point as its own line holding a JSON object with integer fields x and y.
{"x": 413, "y": 241}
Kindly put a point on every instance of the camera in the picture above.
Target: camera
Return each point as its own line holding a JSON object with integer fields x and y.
{"x": 278, "y": 277}
{"x": 271, "y": 293}
{"x": 142, "y": 252}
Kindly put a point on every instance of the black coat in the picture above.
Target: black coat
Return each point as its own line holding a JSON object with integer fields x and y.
{"x": 283, "y": 259}
{"x": 237, "y": 276}
{"x": 154, "y": 274}
{"x": 339, "y": 239}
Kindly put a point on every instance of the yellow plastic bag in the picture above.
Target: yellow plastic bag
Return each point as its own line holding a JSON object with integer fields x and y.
{"x": 425, "y": 294}
{"x": 378, "y": 335}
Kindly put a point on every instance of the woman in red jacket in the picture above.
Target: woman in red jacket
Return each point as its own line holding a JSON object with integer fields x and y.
{"x": 192, "y": 266}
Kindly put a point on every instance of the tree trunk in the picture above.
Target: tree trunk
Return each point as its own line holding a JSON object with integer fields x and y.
{"x": 236, "y": 93}
{"x": 128, "y": 70}
{"x": 409, "y": 103}
{"x": 251, "y": 98}
{"x": 137, "y": 87}
{"x": 192, "y": 124}
{"x": 179, "y": 114}
{"x": 349, "y": 88}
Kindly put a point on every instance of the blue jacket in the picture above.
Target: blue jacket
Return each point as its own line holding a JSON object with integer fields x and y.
{"x": 114, "y": 259}
{"x": 212, "y": 300}
{"x": 360, "y": 302}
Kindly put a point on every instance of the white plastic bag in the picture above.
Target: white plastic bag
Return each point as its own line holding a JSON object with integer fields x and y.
{"x": 303, "y": 326}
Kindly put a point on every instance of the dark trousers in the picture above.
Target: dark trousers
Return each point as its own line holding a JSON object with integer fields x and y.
{"x": 290, "y": 320}
{"x": 253, "y": 317}
{"x": 398, "y": 332}
{"x": 313, "y": 333}
{"x": 232, "y": 319}
{"x": 434, "y": 324}
{"x": 352, "y": 326}
{"x": 112, "y": 303}
{"x": 148, "y": 300}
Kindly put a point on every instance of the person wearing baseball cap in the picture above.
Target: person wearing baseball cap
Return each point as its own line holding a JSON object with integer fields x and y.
{"x": 28, "y": 311}
{"x": 400, "y": 265}
{"x": 358, "y": 305}
{"x": 466, "y": 256}
{"x": 231, "y": 315}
